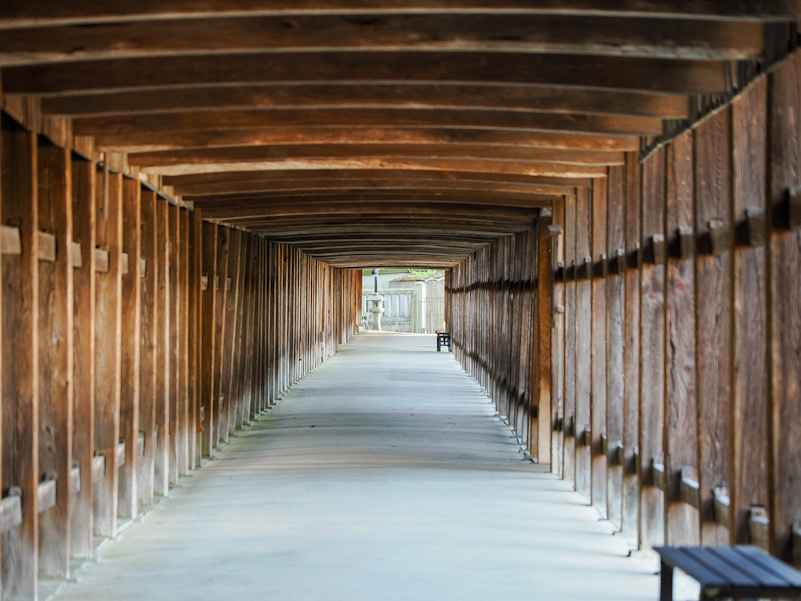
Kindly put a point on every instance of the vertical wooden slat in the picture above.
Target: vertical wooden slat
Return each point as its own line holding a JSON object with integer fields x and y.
{"x": 163, "y": 374}
{"x": 631, "y": 399}
{"x": 56, "y": 355}
{"x": 174, "y": 271}
{"x": 195, "y": 335}
{"x": 208, "y": 341}
{"x": 583, "y": 338}
{"x": 130, "y": 347}
{"x": 681, "y": 429}
{"x": 569, "y": 361}
{"x": 652, "y": 341}
{"x": 784, "y": 273}
{"x": 541, "y": 386}
{"x": 108, "y": 199}
{"x": 20, "y": 393}
{"x": 148, "y": 367}
{"x": 713, "y": 316}
{"x": 599, "y": 366}
{"x": 84, "y": 283}
{"x": 558, "y": 346}
{"x": 218, "y": 283}
{"x": 183, "y": 435}
{"x": 227, "y": 414}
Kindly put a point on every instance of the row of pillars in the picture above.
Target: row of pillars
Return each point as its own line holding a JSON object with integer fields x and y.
{"x": 137, "y": 338}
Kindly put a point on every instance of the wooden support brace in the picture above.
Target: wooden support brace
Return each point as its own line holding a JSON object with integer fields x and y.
{"x": 216, "y": 282}
{"x": 759, "y": 526}
{"x": 617, "y": 455}
{"x": 10, "y": 243}
{"x": 793, "y": 219}
{"x": 120, "y": 454}
{"x": 570, "y": 426}
{"x": 656, "y": 251}
{"x": 689, "y": 489}
{"x": 142, "y": 268}
{"x": 124, "y": 263}
{"x": 554, "y": 230}
{"x": 11, "y": 509}
{"x": 721, "y": 502}
{"x": 570, "y": 272}
{"x": 101, "y": 260}
{"x": 229, "y": 284}
{"x": 635, "y": 257}
{"x": 560, "y": 275}
{"x": 46, "y": 494}
{"x": 657, "y": 473}
{"x": 141, "y": 443}
{"x": 718, "y": 237}
{"x": 685, "y": 242}
{"x": 47, "y": 247}
{"x": 585, "y": 438}
{"x": 75, "y": 480}
{"x": 604, "y": 446}
{"x": 756, "y": 226}
{"x": 585, "y": 272}
{"x": 98, "y": 468}
{"x": 559, "y": 426}
{"x": 632, "y": 466}
{"x": 601, "y": 267}
{"x": 77, "y": 260}
{"x": 204, "y": 281}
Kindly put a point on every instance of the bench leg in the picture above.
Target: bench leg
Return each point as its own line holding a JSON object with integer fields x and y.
{"x": 666, "y": 583}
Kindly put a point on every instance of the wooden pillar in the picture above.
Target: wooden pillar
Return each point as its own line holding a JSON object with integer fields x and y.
{"x": 174, "y": 271}
{"x": 183, "y": 409}
{"x": 713, "y": 313}
{"x": 208, "y": 325}
{"x": 55, "y": 352}
{"x": 541, "y": 381}
{"x": 558, "y": 344}
{"x": 148, "y": 366}
{"x": 784, "y": 322}
{"x": 130, "y": 343}
{"x": 583, "y": 338}
{"x": 569, "y": 361}
{"x": 598, "y": 361}
{"x": 652, "y": 344}
{"x": 108, "y": 200}
{"x": 221, "y": 294}
{"x": 681, "y": 453}
{"x": 631, "y": 357}
{"x": 20, "y": 392}
{"x": 195, "y": 336}
{"x": 162, "y": 431}
{"x": 84, "y": 283}
{"x": 230, "y": 283}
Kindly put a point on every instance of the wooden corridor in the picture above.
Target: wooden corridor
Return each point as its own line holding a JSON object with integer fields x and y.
{"x": 385, "y": 473}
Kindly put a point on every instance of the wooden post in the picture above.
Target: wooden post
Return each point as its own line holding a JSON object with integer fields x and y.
{"x": 231, "y": 291}
{"x": 163, "y": 374}
{"x": 631, "y": 358}
{"x": 148, "y": 366}
{"x": 108, "y": 200}
{"x": 681, "y": 519}
{"x": 569, "y": 445}
{"x": 599, "y": 365}
{"x": 542, "y": 385}
{"x": 182, "y": 302}
{"x": 174, "y": 274}
{"x": 20, "y": 393}
{"x": 652, "y": 344}
{"x": 558, "y": 344}
{"x": 84, "y": 283}
{"x": 221, "y": 294}
{"x": 583, "y": 338}
{"x": 208, "y": 325}
{"x": 195, "y": 336}
{"x": 713, "y": 314}
{"x": 130, "y": 346}
{"x": 55, "y": 354}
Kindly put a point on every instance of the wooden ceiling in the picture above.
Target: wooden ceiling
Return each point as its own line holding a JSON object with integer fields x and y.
{"x": 378, "y": 132}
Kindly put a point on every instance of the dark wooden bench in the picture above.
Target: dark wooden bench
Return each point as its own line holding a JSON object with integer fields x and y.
{"x": 443, "y": 339}
{"x": 738, "y": 572}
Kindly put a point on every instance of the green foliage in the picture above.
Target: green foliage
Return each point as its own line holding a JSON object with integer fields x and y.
{"x": 425, "y": 273}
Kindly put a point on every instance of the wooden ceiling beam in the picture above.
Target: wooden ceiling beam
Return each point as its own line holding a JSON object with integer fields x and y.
{"x": 256, "y": 124}
{"x": 631, "y": 73}
{"x": 16, "y": 13}
{"x": 500, "y": 135}
{"x": 560, "y": 34}
{"x": 322, "y": 97}
{"x": 223, "y": 178}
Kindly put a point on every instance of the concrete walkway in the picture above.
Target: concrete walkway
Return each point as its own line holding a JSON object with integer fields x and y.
{"x": 384, "y": 475}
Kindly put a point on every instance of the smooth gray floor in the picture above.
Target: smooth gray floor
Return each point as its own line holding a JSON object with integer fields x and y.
{"x": 383, "y": 475}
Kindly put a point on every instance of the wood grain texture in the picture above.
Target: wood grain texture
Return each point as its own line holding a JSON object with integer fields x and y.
{"x": 615, "y": 369}
{"x": 569, "y": 448}
{"x": 652, "y": 358}
{"x": 681, "y": 421}
{"x": 163, "y": 372}
{"x": 583, "y": 339}
{"x": 208, "y": 340}
{"x": 558, "y": 347}
{"x": 785, "y": 318}
{"x": 55, "y": 331}
{"x": 84, "y": 283}
{"x": 18, "y": 197}
{"x": 174, "y": 271}
{"x": 713, "y": 317}
{"x": 598, "y": 408}
{"x": 542, "y": 345}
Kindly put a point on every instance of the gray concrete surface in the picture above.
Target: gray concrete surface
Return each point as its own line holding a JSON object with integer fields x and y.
{"x": 383, "y": 475}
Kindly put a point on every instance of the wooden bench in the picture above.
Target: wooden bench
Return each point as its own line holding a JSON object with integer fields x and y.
{"x": 443, "y": 339}
{"x": 737, "y": 572}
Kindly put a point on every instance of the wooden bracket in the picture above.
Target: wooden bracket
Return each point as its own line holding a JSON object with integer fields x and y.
{"x": 756, "y": 226}
{"x": 601, "y": 267}
{"x": 604, "y": 444}
{"x": 554, "y": 230}
{"x": 101, "y": 260}
{"x": 11, "y": 509}
{"x": 77, "y": 257}
{"x": 546, "y": 212}
{"x": 124, "y": 263}
{"x": 98, "y": 468}
{"x": 570, "y": 272}
{"x": 559, "y": 275}
{"x": 617, "y": 264}
{"x": 570, "y": 426}
{"x": 617, "y": 454}
{"x": 585, "y": 438}
{"x": 792, "y": 220}
{"x": 75, "y": 480}
{"x": 141, "y": 443}
{"x": 657, "y": 473}
{"x": 559, "y": 426}
{"x": 689, "y": 488}
{"x": 635, "y": 257}
{"x": 758, "y": 526}
{"x": 656, "y": 251}
{"x": 46, "y": 494}
{"x": 120, "y": 454}
{"x": 204, "y": 282}
{"x": 46, "y": 247}
{"x": 720, "y": 507}
{"x": 685, "y": 243}
{"x": 217, "y": 282}
{"x": 10, "y": 241}
{"x": 719, "y": 241}
{"x": 142, "y": 268}
{"x": 585, "y": 269}
{"x": 229, "y": 284}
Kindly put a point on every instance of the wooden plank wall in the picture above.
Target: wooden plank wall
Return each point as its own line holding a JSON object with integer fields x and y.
{"x": 676, "y": 347}
{"x": 492, "y": 310}
{"x": 116, "y": 340}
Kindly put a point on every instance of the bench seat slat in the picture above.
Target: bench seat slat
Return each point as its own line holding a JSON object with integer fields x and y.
{"x": 732, "y": 575}
{"x": 677, "y": 558}
{"x": 789, "y": 575}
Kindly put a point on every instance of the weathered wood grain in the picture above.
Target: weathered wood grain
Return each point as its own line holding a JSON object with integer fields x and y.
{"x": 174, "y": 276}
{"x": 56, "y": 347}
{"x": 570, "y": 426}
{"x": 598, "y": 348}
{"x": 208, "y": 314}
{"x": 583, "y": 315}
{"x": 163, "y": 372}
{"x": 681, "y": 422}
{"x": 713, "y": 317}
{"x": 558, "y": 345}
